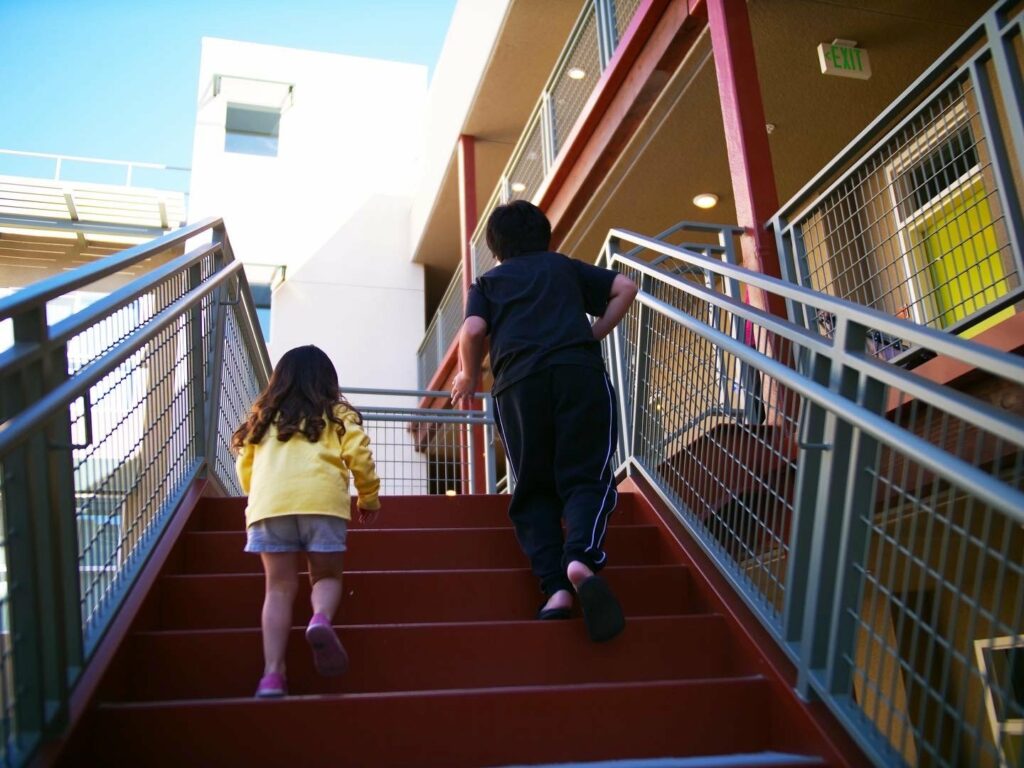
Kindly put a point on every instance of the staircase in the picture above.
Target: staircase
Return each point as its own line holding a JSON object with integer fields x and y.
{"x": 449, "y": 667}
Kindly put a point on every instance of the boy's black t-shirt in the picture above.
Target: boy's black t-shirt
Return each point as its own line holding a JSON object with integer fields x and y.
{"x": 536, "y": 306}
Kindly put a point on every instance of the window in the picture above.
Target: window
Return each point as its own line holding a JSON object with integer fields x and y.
{"x": 1001, "y": 661}
{"x": 261, "y": 300}
{"x": 252, "y": 130}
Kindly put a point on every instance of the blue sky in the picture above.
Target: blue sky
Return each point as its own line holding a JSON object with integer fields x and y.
{"x": 117, "y": 78}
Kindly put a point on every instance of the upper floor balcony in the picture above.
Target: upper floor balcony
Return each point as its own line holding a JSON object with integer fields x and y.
{"x": 902, "y": 186}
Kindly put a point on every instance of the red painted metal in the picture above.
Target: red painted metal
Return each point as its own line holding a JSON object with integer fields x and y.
{"x": 474, "y": 467}
{"x": 746, "y": 138}
{"x": 658, "y": 38}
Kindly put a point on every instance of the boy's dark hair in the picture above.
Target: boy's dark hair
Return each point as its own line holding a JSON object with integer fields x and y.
{"x": 518, "y": 227}
{"x": 300, "y": 398}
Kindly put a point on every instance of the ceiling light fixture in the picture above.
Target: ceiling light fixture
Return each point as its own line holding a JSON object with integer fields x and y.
{"x": 576, "y": 73}
{"x": 705, "y": 200}
{"x": 518, "y": 186}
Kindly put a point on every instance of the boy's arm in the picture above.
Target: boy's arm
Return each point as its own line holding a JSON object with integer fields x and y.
{"x": 622, "y": 293}
{"x": 471, "y": 357}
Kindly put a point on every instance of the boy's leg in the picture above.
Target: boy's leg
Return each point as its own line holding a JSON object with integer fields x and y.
{"x": 282, "y": 583}
{"x": 585, "y": 439}
{"x": 525, "y": 423}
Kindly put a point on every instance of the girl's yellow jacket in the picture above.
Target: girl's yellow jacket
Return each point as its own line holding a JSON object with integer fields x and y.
{"x": 300, "y": 477}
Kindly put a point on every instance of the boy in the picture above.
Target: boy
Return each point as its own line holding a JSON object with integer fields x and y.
{"x": 554, "y": 404}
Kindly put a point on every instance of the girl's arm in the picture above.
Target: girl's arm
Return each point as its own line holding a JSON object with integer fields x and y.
{"x": 355, "y": 450}
{"x": 243, "y": 465}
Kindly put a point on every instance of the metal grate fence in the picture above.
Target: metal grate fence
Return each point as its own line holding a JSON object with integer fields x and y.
{"x": 107, "y": 420}
{"x": 441, "y": 332}
{"x": 872, "y": 519}
{"x": 423, "y": 450}
{"x": 924, "y": 220}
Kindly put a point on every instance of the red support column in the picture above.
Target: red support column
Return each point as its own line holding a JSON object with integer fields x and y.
{"x": 467, "y": 225}
{"x": 746, "y": 138}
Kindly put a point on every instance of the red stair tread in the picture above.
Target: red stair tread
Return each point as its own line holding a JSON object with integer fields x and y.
{"x": 496, "y": 727}
{"x": 429, "y": 548}
{"x": 227, "y": 663}
{"x": 235, "y": 600}
{"x": 228, "y": 514}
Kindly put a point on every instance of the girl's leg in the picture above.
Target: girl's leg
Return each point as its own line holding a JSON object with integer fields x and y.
{"x": 325, "y": 569}
{"x": 282, "y": 582}
{"x": 329, "y": 656}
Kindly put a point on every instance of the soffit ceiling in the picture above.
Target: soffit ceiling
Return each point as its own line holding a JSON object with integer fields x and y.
{"x": 679, "y": 149}
{"x": 524, "y": 55}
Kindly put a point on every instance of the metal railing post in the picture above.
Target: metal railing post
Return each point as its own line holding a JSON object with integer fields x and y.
{"x": 606, "y": 32}
{"x": 548, "y": 132}
{"x": 41, "y": 545}
{"x": 837, "y": 541}
{"x": 814, "y": 464}
{"x": 490, "y": 443}
{"x": 215, "y": 359}
{"x": 1002, "y": 165}
{"x": 642, "y": 366}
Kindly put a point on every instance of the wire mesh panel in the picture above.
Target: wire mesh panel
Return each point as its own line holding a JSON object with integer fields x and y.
{"x": 576, "y": 78}
{"x": 924, "y": 222}
{"x": 717, "y": 435}
{"x": 872, "y": 518}
{"x": 422, "y": 450}
{"x": 140, "y": 441}
{"x": 624, "y": 12}
{"x": 526, "y": 171}
{"x": 933, "y": 623}
{"x": 442, "y": 330}
{"x": 240, "y": 384}
{"x": 8, "y": 648}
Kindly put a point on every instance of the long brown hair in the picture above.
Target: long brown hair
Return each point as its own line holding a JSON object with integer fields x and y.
{"x": 302, "y": 391}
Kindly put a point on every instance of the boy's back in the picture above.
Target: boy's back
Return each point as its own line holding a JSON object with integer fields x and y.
{"x": 536, "y": 306}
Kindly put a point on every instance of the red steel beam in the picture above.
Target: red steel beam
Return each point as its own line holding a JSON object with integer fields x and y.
{"x": 746, "y": 138}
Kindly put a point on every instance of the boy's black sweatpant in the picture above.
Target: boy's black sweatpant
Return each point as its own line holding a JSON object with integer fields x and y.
{"x": 559, "y": 430}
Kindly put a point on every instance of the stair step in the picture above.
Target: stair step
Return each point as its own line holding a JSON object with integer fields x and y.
{"x": 747, "y": 760}
{"x": 490, "y": 727}
{"x": 228, "y": 514}
{"x": 227, "y": 663}
{"x": 235, "y": 600}
{"x": 418, "y": 549}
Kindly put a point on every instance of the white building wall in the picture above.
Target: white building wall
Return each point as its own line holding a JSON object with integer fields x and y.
{"x": 467, "y": 47}
{"x": 333, "y": 206}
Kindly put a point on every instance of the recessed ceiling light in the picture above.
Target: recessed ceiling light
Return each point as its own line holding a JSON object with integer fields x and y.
{"x": 576, "y": 73}
{"x": 705, "y": 200}
{"x": 518, "y": 186}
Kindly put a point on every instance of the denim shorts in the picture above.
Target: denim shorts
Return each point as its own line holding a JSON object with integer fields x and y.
{"x": 297, "y": 533}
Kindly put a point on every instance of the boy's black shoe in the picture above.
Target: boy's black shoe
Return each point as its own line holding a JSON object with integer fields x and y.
{"x": 601, "y": 611}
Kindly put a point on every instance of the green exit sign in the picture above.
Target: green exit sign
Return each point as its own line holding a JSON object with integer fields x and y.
{"x": 843, "y": 58}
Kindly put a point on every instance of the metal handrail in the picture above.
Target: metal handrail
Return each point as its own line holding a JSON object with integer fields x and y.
{"x": 974, "y": 354}
{"x": 129, "y": 165}
{"x": 848, "y": 468}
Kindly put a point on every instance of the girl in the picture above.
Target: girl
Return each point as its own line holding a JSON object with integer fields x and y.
{"x": 296, "y": 450}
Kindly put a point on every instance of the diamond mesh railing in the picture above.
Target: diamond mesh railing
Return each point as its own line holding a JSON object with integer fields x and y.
{"x": 108, "y": 419}
{"x": 872, "y": 518}
{"x": 920, "y": 217}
